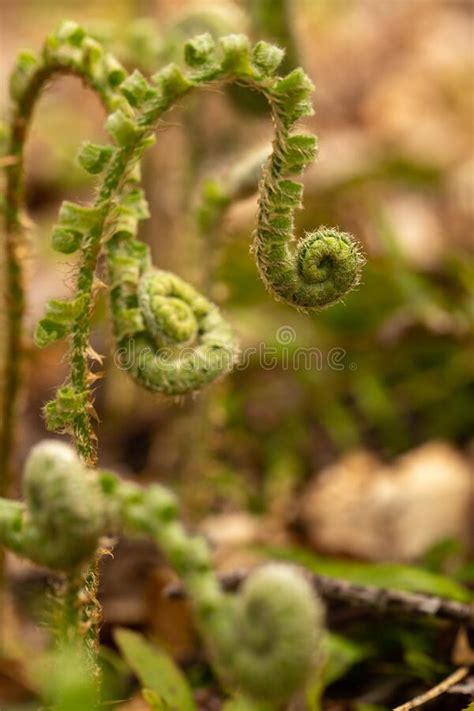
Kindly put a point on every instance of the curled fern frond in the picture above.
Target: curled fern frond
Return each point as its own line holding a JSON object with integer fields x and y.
{"x": 63, "y": 515}
{"x": 274, "y": 628}
{"x": 175, "y": 340}
{"x": 325, "y": 265}
{"x": 263, "y": 640}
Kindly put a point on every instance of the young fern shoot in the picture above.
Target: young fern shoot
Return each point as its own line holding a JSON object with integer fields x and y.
{"x": 67, "y": 51}
{"x": 148, "y": 304}
{"x": 263, "y": 642}
{"x": 175, "y": 340}
{"x": 178, "y": 341}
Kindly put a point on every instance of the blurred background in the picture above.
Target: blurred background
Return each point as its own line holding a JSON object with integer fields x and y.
{"x": 344, "y": 440}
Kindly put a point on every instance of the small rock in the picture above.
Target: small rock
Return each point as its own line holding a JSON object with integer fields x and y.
{"x": 360, "y": 507}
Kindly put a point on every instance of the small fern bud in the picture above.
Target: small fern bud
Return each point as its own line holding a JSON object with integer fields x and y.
{"x": 199, "y": 51}
{"x": 26, "y": 65}
{"x": 62, "y": 412}
{"x": 236, "y": 54}
{"x": 267, "y": 57}
{"x": 294, "y": 87}
{"x": 94, "y": 158}
{"x": 69, "y": 31}
{"x": 271, "y": 645}
{"x": 301, "y": 149}
{"x": 92, "y": 59}
{"x": 65, "y": 240}
{"x": 58, "y": 321}
{"x": 78, "y": 217}
{"x": 64, "y": 507}
{"x": 122, "y": 128}
{"x": 172, "y": 84}
{"x": 114, "y": 71}
{"x": 136, "y": 88}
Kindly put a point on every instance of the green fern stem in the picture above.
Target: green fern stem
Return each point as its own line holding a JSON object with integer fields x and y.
{"x": 66, "y": 52}
{"x": 263, "y": 642}
{"x": 326, "y": 263}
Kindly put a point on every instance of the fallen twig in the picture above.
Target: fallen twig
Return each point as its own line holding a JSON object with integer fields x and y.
{"x": 436, "y": 691}
{"x": 383, "y": 600}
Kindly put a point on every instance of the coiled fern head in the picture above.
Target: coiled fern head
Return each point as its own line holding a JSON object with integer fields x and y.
{"x": 271, "y": 643}
{"x": 64, "y": 511}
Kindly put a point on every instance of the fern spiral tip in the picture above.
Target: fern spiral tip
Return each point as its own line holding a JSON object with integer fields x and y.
{"x": 329, "y": 265}
{"x": 277, "y": 626}
{"x": 168, "y": 307}
{"x": 64, "y": 507}
{"x": 177, "y": 340}
{"x": 325, "y": 266}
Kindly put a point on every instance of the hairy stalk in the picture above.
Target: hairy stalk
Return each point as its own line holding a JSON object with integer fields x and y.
{"x": 76, "y": 615}
{"x": 263, "y": 642}
{"x": 65, "y": 52}
{"x": 60, "y": 56}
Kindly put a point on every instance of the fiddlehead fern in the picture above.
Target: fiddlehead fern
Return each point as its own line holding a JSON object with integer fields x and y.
{"x": 272, "y": 638}
{"x": 171, "y": 339}
{"x": 160, "y": 314}
{"x": 263, "y": 641}
{"x": 61, "y": 521}
{"x": 324, "y": 265}
{"x": 66, "y": 51}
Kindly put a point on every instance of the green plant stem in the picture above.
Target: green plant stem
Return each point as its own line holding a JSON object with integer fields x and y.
{"x": 84, "y": 434}
{"x": 32, "y": 77}
{"x": 322, "y": 268}
{"x": 16, "y": 247}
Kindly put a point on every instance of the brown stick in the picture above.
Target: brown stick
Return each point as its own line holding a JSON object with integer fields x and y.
{"x": 383, "y": 600}
{"x": 435, "y": 691}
